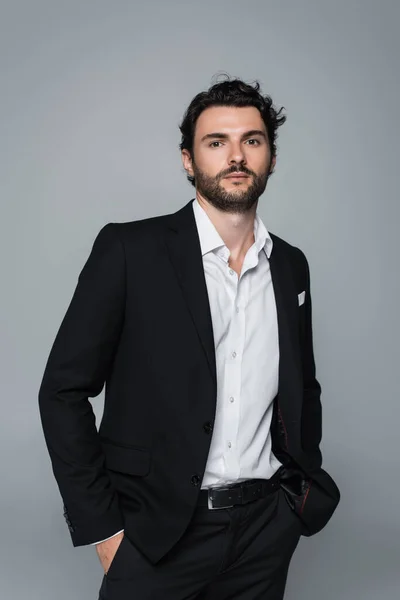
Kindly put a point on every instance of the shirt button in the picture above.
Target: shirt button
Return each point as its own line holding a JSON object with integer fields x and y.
{"x": 231, "y": 399}
{"x": 234, "y": 354}
{"x": 237, "y": 309}
{"x": 231, "y": 271}
{"x": 229, "y": 445}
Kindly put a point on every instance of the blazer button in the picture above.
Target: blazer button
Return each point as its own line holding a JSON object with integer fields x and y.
{"x": 208, "y": 427}
{"x": 195, "y": 480}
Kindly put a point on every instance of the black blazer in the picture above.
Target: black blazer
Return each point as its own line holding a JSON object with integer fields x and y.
{"x": 140, "y": 323}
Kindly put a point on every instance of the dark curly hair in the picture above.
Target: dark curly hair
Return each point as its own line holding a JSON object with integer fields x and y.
{"x": 231, "y": 92}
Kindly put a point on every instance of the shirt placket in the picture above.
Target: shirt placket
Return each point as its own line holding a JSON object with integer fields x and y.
{"x": 233, "y": 377}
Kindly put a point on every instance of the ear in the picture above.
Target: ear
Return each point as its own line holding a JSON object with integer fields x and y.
{"x": 187, "y": 161}
{"x": 272, "y": 167}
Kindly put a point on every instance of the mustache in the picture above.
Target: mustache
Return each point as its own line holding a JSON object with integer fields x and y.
{"x": 234, "y": 169}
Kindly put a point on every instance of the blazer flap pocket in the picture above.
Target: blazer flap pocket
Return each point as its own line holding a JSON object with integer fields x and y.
{"x": 134, "y": 461}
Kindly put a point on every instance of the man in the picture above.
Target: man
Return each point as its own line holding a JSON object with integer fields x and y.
{"x": 206, "y": 468}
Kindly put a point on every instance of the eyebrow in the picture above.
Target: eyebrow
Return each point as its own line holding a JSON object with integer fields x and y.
{"x": 224, "y": 136}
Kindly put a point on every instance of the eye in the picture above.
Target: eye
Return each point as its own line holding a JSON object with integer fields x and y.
{"x": 257, "y": 142}
{"x": 215, "y": 142}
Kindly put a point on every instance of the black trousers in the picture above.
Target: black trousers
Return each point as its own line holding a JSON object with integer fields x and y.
{"x": 240, "y": 553}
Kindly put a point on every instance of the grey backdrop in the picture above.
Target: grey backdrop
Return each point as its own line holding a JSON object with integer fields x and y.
{"x": 91, "y": 97}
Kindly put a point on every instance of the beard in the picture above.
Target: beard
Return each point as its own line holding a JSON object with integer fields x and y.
{"x": 238, "y": 201}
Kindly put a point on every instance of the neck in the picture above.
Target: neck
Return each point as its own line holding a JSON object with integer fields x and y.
{"x": 236, "y": 229}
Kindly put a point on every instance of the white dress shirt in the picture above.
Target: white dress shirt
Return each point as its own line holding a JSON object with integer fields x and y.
{"x": 245, "y": 327}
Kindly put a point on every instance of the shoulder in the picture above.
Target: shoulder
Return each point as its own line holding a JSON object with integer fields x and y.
{"x": 294, "y": 254}
{"x": 142, "y": 231}
{"x": 295, "y": 258}
{"x": 139, "y": 226}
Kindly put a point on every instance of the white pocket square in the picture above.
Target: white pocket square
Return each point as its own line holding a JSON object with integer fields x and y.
{"x": 301, "y": 297}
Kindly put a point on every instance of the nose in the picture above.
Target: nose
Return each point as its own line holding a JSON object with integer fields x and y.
{"x": 237, "y": 155}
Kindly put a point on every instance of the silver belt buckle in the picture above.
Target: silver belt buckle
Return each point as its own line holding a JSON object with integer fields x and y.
{"x": 210, "y": 504}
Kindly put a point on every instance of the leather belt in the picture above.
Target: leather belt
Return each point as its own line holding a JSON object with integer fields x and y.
{"x": 238, "y": 493}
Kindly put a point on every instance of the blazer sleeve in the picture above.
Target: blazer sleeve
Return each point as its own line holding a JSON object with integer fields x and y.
{"x": 311, "y": 418}
{"x": 77, "y": 368}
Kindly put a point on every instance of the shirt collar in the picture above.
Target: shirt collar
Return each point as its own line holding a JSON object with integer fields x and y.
{"x": 210, "y": 239}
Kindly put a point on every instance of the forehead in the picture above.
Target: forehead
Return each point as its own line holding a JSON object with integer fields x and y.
{"x": 229, "y": 119}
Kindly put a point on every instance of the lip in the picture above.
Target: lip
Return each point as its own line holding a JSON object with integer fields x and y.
{"x": 237, "y": 176}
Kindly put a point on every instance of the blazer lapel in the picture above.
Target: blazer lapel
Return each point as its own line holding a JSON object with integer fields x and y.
{"x": 183, "y": 246}
{"x": 290, "y": 369}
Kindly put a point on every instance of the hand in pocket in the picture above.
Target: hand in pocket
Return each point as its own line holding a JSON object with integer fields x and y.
{"x": 107, "y": 550}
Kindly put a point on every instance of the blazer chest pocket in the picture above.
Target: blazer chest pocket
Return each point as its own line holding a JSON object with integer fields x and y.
{"x": 301, "y": 298}
{"x": 125, "y": 459}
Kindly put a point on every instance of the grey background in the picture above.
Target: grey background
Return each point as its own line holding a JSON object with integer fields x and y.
{"x": 91, "y": 97}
